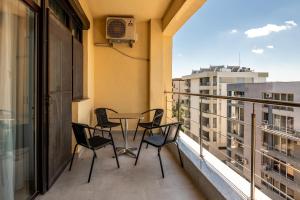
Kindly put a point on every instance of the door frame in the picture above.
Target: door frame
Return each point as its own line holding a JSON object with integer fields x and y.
{"x": 73, "y": 9}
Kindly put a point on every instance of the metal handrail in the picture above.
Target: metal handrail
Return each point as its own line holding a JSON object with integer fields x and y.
{"x": 253, "y": 124}
{"x": 250, "y": 100}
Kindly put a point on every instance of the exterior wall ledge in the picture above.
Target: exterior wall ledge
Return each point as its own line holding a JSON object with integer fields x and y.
{"x": 213, "y": 177}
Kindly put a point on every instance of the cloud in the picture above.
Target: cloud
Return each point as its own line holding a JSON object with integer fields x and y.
{"x": 269, "y": 28}
{"x": 233, "y": 31}
{"x": 270, "y": 47}
{"x": 292, "y": 23}
{"x": 258, "y": 51}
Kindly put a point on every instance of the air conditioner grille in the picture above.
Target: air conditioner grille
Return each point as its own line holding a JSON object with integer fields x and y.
{"x": 116, "y": 28}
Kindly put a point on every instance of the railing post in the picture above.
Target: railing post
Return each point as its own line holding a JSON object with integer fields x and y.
{"x": 253, "y": 136}
{"x": 200, "y": 131}
{"x": 178, "y": 108}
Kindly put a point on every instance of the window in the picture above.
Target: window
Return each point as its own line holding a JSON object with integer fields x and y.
{"x": 283, "y": 97}
{"x": 290, "y": 97}
{"x": 59, "y": 12}
{"x": 290, "y": 192}
{"x": 215, "y": 108}
{"x": 214, "y": 80}
{"x": 241, "y": 114}
{"x": 266, "y": 118}
{"x": 283, "y": 145}
{"x": 276, "y": 143}
{"x": 214, "y": 136}
{"x": 276, "y": 96}
{"x": 205, "y": 135}
{"x": 215, "y": 123}
{"x": 290, "y": 173}
{"x": 241, "y": 132}
{"x": 77, "y": 70}
{"x": 290, "y": 124}
{"x": 282, "y": 189}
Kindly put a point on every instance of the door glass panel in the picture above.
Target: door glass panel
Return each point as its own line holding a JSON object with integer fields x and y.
{"x": 17, "y": 102}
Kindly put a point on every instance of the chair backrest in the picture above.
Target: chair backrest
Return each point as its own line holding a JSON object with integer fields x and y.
{"x": 158, "y": 115}
{"x": 101, "y": 115}
{"x": 171, "y": 132}
{"x": 80, "y": 133}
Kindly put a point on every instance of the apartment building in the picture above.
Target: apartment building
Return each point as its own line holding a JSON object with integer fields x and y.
{"x": 214, "y": 81}
{"x": 181, "y": 114}
{"x": 277, "y": 137}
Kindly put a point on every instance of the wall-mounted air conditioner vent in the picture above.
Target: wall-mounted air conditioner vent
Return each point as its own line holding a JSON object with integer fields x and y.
{"x": 120, "y": 29}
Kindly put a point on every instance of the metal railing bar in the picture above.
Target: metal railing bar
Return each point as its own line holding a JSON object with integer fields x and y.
{"x": 258, "y": 125}
{"x": 249, "y": 147}
{"x": 244, "y": 99}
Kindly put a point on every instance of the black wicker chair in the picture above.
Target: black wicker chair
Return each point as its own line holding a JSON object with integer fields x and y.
{"x": 104, "y": 123}
{"x": 92, "y": 142}
{"x": 168, "y": 135}
{"x": 158, "y": 114}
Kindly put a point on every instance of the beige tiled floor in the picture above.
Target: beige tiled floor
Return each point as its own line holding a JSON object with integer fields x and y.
{"x": 141, "y": 182}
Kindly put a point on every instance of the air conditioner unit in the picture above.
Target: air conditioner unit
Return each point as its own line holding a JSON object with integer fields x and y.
{"x": 120, "y": 29}
{"x": 269, "y": 96}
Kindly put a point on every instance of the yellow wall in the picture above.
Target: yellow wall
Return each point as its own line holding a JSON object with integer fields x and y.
{"x": 125, "y": 84}
{"x": 122, "y": 83}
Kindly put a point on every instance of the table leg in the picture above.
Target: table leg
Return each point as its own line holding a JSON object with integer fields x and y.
{"x": 126, "y": 150}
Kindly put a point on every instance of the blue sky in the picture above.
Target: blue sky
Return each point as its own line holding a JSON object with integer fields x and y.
{"x": 266, "y": 33}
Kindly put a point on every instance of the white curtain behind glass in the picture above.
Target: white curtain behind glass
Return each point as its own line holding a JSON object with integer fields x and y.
{"x": 8, "y": 63}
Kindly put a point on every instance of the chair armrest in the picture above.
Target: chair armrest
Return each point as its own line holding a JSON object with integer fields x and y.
{"x": 148, "y": 111}
{"x": 111, "y": 110}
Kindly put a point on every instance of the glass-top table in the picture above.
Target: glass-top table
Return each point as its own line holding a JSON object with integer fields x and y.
{"x": 124, "y": 117}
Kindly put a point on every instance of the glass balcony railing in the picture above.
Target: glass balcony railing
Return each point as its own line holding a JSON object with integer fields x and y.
{"x": 251, "y": 144}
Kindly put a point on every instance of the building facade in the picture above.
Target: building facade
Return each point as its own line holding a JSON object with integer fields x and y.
{"x": 178, "y": 110}
{"x": 214, "y": 81}
{"x": 277, "y": 137}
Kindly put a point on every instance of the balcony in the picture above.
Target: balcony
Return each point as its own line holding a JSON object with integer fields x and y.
{"x": 285, "y": 132}
{"x": 127, "y": 76}
{"x": 269, "y": 150}
{"x": 129, "y": 182}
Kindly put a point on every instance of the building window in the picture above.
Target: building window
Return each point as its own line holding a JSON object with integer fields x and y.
{"x": 241, "y": 114}
{"x": 215, "y": 109}
{"x": 205, "y": 135}
{"x": 214, "y": 136}
{"x": 215, "y": 123}
{"x": 290, "y": 97}
{"x": 290, "y": 192}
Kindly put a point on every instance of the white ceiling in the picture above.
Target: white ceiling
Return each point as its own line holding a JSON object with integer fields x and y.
{"x": 142, "y": 10}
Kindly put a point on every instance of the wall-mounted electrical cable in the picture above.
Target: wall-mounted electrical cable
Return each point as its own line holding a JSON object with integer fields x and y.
{"x": 107, "y": 45}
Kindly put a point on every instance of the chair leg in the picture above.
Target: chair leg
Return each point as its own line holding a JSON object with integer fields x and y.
{"x": 91, "y": 170}
{"x": 161, "y": 167}
{"x": 135, "y": 131}
{"x": 150, "y": 134}
{"x": 137, "y": 156}
{"x": 179, "y": 155}
{"x": 73, "y": 157}
{"x": 116, "y": 156}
